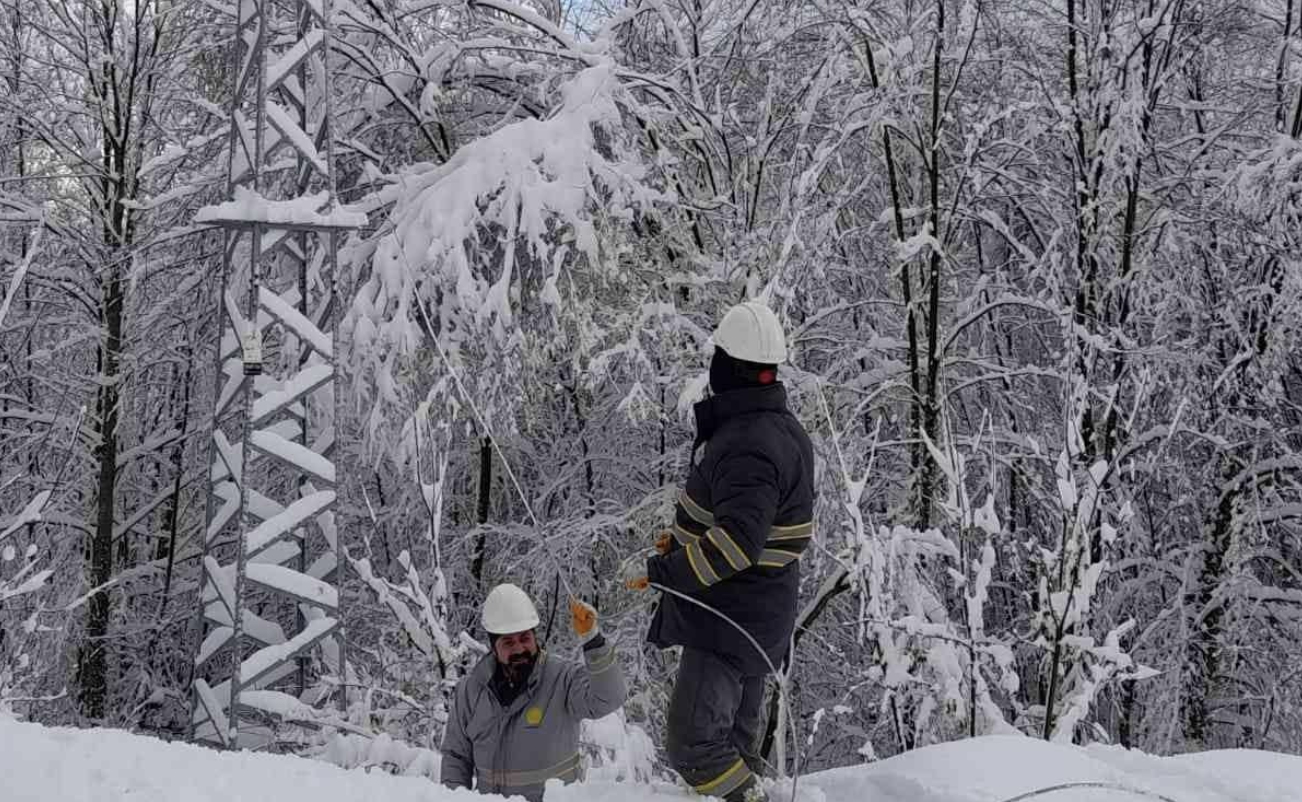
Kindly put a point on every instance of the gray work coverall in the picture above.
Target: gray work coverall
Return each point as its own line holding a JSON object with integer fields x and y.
{"x": 515, "y": 750}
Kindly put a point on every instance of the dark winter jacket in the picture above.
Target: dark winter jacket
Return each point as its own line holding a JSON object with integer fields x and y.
{"x": 514, "y": 749}
{"x": 741, "y": 523}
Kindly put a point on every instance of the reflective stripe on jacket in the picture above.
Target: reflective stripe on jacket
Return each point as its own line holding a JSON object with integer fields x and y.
{"x": 515, "y": 750}
{"x": 741, "y": 523}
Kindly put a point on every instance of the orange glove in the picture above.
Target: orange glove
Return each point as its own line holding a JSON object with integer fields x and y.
{"x": 634, "y": 572}
{"x": 664, "y": 540}
{"x": 583, "y": 618}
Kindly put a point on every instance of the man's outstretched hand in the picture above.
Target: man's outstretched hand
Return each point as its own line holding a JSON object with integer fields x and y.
{"x": 664, "y": 541}
{"x": 634, "y": 572}
{"x": 583, "y": 618}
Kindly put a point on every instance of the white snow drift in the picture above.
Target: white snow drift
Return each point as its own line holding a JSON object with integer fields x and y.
{"x": 39, "y": 764}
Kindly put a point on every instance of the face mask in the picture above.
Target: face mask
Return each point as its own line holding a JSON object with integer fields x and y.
{"x": 722, "y": 378}
{"x": 727, "y": 374}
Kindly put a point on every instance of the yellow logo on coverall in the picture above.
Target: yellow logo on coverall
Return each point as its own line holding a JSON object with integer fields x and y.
{"x": 533, "y": 716}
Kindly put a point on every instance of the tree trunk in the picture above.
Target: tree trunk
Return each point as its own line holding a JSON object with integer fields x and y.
{"x": 1083, "y": 307}
{"x": 930, "y": 401}
{"x": 590, "y": 485}
{"x": 1203, "y": 651}
{"x": 115, "y": 186}
{"x": 174, "y": 508}
{"x": 1281, "y": 69}
{"x": 917, "y": 450}
{"x": 1051, "y": 697}
{"x": 1126, "y": 724}
{"x": 94, "y": 672}
{"x": 481, "y": 515}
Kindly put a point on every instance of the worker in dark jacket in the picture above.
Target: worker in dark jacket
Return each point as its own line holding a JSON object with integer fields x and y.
{"x": 514, "y": 722}
{"x": 741, "y": 523}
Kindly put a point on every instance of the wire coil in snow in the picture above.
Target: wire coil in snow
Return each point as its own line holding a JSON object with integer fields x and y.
{"x": 1090, "y": 784}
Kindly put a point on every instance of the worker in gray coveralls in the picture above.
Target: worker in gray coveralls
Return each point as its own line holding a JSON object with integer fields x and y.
{"x": 514, "y": 722}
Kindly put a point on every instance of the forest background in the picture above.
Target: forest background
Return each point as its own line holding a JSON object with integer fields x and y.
{"x": 1041, "y": 269}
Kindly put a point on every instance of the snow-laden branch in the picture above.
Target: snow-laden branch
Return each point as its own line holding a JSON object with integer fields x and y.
{"x": 20, "y": 272}
{"x": 533, "y": 192}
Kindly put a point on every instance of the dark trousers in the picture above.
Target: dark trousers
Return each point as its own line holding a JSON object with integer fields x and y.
{"x": 714, "y": 725}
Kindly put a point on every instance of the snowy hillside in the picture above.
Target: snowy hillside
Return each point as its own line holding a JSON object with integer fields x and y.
{"x": 39, "y": 764}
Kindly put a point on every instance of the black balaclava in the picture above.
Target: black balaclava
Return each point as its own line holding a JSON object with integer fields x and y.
{"x": 727, "y": 373}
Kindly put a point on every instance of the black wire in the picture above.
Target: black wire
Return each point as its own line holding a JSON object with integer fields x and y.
{"x": 1090, "y": 784}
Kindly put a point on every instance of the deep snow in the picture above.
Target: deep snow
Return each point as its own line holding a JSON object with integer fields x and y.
{"x": 64, "y": 765}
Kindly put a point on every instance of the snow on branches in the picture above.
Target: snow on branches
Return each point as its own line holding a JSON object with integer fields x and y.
{"x": 468, "y": 245}
{"x": 1069, "y": 576}
{"x": 20, "y": 575}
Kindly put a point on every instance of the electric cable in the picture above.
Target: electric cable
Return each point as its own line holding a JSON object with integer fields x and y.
{"x": 1110, "y": 786}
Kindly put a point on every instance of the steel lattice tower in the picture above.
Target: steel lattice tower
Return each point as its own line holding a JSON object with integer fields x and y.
{"x": 270, "y": 597}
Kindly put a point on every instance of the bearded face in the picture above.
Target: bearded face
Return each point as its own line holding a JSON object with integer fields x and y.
{"x": 517, "y": 652}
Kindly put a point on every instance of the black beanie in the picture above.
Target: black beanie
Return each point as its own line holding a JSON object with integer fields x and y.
{"x": 727, "y": 373}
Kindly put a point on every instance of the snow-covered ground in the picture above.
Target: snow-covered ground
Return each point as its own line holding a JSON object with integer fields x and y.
{"x": 64, "y": 765}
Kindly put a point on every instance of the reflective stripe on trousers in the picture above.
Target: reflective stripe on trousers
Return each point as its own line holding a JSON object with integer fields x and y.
{"x": 730, "y": 780}
{"x": 507, "y": 781}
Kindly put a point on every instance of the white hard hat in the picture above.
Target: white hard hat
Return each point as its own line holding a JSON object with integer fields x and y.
{"x": 508, "y": 610}
{"x": 751, "y": 332}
